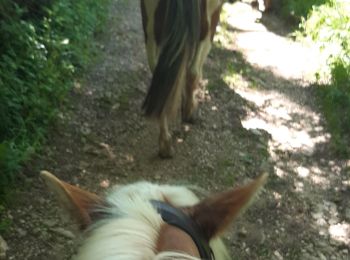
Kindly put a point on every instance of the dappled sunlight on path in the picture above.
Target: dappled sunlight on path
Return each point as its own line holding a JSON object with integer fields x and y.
{"x": 284, "y": 57}
{"x": 282, "y": 103}
{"x": 291, "y": 126}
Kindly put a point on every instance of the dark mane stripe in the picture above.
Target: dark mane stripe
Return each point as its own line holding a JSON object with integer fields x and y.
{"x": 179, "y": 37}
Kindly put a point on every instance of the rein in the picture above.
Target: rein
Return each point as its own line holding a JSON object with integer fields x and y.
{"x": 179, "y": 219}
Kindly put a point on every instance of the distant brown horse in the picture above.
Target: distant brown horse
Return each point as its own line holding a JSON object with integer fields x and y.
{"x": 178, "y": 36}
{"x": 149, "y": 221}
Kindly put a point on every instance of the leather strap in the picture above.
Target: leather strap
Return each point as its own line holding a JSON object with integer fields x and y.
{"x": 179, "y": 219}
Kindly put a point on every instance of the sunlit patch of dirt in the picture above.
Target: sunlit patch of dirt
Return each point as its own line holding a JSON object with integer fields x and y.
{"x": 261, "y": 47}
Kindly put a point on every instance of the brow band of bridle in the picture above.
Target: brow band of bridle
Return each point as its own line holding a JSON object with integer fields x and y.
{"x": 179, "y": 219}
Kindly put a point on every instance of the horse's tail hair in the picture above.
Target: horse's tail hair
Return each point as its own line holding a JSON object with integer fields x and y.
{"x": 180, "y": 39}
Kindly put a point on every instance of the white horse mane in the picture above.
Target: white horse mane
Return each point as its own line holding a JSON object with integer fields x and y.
{"x": 132, "y": 229}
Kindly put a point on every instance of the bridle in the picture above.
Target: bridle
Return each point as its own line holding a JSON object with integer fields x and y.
{"x": 179, "y": 219}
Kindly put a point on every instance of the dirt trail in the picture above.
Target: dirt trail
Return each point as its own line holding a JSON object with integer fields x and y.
{"x": 258, "y": 115}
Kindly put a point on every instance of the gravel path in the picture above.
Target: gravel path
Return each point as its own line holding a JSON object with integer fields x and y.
{"x": 258, "y": 114}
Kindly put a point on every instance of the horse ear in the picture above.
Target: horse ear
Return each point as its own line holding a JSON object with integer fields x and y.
{"x": 77, "y": 202}
{"x": 214, "y": 214}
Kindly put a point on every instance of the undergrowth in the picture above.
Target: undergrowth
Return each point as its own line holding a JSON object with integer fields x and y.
{"x": 295, "y": 10}
{"x": 328, "y": 26}
{"x": 326, "y": 23}
{"x": 44, "y": 43}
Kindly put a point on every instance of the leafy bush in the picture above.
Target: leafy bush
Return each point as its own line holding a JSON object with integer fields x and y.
{"x": 297, "y": 9}
{"x": 43, "y": 43}
{"x": 5, "y": 222}
{"x": 328, "y": 26}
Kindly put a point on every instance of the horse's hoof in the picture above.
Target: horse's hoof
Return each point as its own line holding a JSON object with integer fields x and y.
{"x": 166, "y": 153}
{"x": 189, "y": 120}
{"x": 189, "y": 115}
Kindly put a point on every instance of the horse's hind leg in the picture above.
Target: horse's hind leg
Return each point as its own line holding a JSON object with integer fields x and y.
{"x": 193, "y": 77}
{"x": 165, "y": 146}
{"x": 189, "y": 103}
{"x": 195, "y": 74}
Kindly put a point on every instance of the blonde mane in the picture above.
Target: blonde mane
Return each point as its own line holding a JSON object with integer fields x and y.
{"x": 131, "y": 228}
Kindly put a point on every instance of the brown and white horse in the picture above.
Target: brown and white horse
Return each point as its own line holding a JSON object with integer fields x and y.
{"x": 149, "y": 221}
{"x": 178, "y": 36}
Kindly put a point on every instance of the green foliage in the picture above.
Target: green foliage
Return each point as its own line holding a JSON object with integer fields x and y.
{"x": 340, "y": 73}
{"x": 336, "y": 108}
{"x": 43, "y": 44}
{"x": 297, "y": 9}
{"x": 328, "y": 26}
{"x": 5, "y": 222}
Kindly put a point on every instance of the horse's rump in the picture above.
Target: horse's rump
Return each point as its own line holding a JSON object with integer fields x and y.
{"x": 178, "y": 35}
{"x": 177, "y": 30}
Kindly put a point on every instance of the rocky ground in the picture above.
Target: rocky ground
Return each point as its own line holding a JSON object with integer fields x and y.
{"x": 258, "y": 114}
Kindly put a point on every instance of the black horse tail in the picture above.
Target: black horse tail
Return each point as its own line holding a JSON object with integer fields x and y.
{"x": 179, "y": 41}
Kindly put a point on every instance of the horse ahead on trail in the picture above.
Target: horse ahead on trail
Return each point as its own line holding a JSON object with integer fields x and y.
{"x": 178, "y": 36}
{"x": 149, "y": 221}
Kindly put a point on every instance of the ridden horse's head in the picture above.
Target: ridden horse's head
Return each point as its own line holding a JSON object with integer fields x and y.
{"x": 148, "y": 221}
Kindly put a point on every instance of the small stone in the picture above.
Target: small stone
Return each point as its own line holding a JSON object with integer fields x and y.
{"x": 278, "y": 255}
{"x": 3, "y": 248}
{"x": 307, "y": 256}
{"x": 256, "y": 132}
{"x": 21, "y": 232}
{"x": 347, "y": 213}
{"x": 41, "y": 200}
{"x": 345, "y": 251}
{"x": 110, "y": 79}
{"x": 116, "y": 106}
{"x": 333, "y": 220}
{"x": 105, "y": 184}
{"x": 49, "y": 222}
{"x": 317, "y": 215}
{"x": 310, "y": 248}
{"x": 63, "y": 232}
{"x": 334, "y": 242}
{"x": 322, "y": 244}
{"x": 242, "y": 232}
{"x": 321, "y": 222}
{"x": 322, "y": 257}
{"x": 262, "y": 237}
{"x": 323, "y": 233}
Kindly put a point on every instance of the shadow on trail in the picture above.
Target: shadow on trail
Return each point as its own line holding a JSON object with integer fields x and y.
{"x": 264, "y": 80}
{"x": 301, "y": 205}
{"x": 273, "y": 24}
